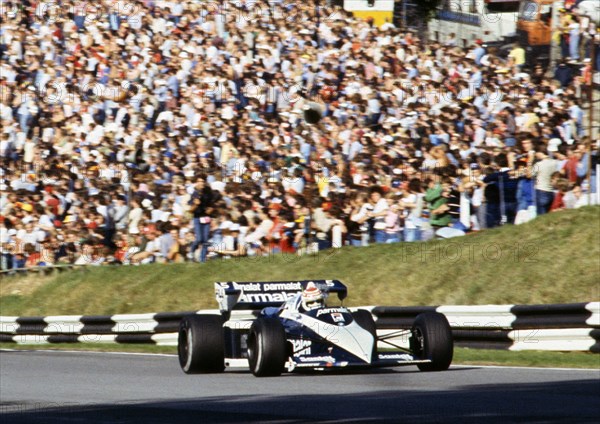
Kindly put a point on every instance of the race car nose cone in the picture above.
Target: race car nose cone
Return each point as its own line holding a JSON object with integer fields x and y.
{"x": 355, "y": 340}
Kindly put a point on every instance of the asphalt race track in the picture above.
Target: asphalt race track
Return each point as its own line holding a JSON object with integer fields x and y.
{"x": 65, "y": 387}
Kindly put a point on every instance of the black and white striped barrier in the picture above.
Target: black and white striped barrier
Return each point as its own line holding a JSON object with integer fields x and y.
{"x": 151, "y": 328}
{"x": 565, "y": 327}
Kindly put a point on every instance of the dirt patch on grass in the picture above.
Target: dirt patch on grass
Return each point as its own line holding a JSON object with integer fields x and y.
{"x": 22, "y": 286}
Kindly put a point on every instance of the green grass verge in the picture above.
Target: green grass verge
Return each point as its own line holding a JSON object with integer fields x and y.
{"x": 553, "y": 259}
{"x": 462, "y": 356}
{"x": 533, "y": 358}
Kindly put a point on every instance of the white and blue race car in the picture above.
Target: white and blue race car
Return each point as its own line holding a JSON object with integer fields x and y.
{"x": 268, "y": 327}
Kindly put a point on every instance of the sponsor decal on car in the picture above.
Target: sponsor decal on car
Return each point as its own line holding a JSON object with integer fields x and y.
{"x": 301, "y": 347}
{"x": 267, "y": 287}
{"x": 247, "y": 287}
{"x": 290, "y": 365}
{"x": 317, "y": 359}
{"x": 400, "y": 356}
{"x": 330, "y": 310}
{"x": 283, "y": 286}
{"x": 265, "y": 297}
{"x": 337, "y": 317}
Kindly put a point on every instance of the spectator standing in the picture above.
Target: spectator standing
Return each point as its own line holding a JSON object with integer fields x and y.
{"x": 378, "y": 215}
{"x": 437, "y": 203}
{"x": 135, "y": 216}
{"x": 393, "y": 229}
{"x": 574, "y": 33}
{"x": 501, "y": 194}
{"x": 412, "y": 205}
{"x": 201, "y": 203}
{"x": 564, "y": 74}
{"x": 543, "y": 170}
{"x": 358, "y": 228}
{"x": 517, "y": 56}
{"x": 526, "y": 197}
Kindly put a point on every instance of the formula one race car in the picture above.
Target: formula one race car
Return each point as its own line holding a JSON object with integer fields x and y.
{"x": 276, "y": 326}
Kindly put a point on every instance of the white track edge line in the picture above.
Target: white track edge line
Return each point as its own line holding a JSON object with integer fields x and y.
{"x": 516, "y": 367}
{"x": 169, "y": 355}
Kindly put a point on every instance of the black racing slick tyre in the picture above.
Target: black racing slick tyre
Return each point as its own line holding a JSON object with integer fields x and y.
{"x": 200, "y": 345}
{"x": 432, "y": 339}
{"x": 267, "y": 347}
{"x": 366, "y": 321}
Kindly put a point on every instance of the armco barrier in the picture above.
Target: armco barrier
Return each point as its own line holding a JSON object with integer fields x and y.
{"x": 565, "y": 327}
{"x": 562, "y": 327}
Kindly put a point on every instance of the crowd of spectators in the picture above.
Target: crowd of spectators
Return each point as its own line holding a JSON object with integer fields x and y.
{"x": 576, "y": 30}
{"x": 181, "y": 131}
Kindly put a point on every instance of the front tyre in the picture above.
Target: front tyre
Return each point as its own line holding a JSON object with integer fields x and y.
{"x": 201, "y": 345}
{"x": 432, "y": 339}
{"x": 267, "y": 347}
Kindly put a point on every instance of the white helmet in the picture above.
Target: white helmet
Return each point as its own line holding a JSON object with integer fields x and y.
{"x": 312, "y": 297}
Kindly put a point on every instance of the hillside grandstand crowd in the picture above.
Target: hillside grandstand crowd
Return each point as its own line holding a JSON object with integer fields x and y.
{"x": 576, "y": 30}
{"x": 183, "y": 131}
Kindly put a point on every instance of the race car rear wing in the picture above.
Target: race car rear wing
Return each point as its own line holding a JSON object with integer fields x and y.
{"x": 257, "y": 295}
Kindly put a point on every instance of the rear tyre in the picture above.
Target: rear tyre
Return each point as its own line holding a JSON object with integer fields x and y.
{"x": 200, "y": 345}
{"x": 366, "y": 321}
{"x": 267, "y": 347}
{"x": 432, "y": 339}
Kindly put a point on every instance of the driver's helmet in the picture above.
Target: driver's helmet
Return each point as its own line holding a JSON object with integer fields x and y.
{"x": 312, "y": 297}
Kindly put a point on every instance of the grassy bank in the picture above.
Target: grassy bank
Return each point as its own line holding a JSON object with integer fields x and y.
{"x": 462, "y": 356}
{"x": 551, "y": 260}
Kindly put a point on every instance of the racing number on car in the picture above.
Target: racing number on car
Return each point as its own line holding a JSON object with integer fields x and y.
{"x": 327, "y": 331}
